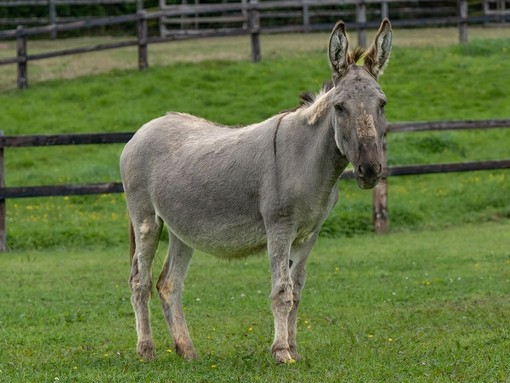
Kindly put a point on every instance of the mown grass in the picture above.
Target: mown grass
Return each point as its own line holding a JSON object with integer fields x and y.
{"x": 467, "y": 82}
{"x": 413, "y": 307}
{"x": 199, "y": 50}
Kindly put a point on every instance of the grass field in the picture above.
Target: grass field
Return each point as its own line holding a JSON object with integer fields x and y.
{"x": 408, "y": 307}
{"x": 427, "y": 303}
{"x": 231, "y": 48}
{"x": 427, "y": 83}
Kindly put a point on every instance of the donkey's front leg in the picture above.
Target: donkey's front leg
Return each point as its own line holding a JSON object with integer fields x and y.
{"x": 279, "y": 242}
{"x": 299, "y": 256}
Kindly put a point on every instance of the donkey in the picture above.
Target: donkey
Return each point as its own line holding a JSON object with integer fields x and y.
{"x": 234, "y": 192}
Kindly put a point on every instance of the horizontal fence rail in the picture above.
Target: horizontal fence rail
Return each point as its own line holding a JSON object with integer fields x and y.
{"x": 380, "y": 194}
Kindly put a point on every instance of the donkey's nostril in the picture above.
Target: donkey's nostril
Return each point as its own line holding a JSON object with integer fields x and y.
{"x": 360, "y": 170}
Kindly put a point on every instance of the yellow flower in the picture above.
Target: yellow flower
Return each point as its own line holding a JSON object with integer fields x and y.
{"x": 213, "y": 366}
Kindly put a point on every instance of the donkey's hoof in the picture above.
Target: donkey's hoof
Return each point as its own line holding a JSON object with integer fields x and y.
{"x": 146, "y": 350}
{"x": 186, "y": 352}
{"x": 294, "y": 354}
{"x": 283, "y": 356}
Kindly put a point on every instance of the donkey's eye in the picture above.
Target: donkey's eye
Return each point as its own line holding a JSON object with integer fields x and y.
{"x": 339, "y": 108}
{"x": 383, "y": 104}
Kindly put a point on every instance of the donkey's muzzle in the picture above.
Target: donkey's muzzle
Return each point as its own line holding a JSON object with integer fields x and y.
{"x": 369, "y": 170}
{"x": 368, "y": 175}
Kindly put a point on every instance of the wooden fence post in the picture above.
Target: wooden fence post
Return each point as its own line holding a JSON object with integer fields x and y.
{"x": 463, "y": 26}
{"x": 380, "y": 198}
{"x": 361, "y": 18}
{"x": 52, "y": 11}
{"x": 254, "y": 27}
{"x": 306, "y": 16}
{"x": 244, "y": 12}
{"x": 21, "y": 48}
{"x": 3, "y": 229}
{"x": 141, "y": 24}
{"x": 384, "y": 9}
{"x": 162, "y": 26}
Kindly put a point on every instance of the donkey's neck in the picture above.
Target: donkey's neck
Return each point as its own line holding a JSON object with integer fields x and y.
{"x": 318, "y": 120}
{"x": 306, "y": 138}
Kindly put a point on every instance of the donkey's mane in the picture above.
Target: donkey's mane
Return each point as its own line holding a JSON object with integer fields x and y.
{"x": 308, "y": 98}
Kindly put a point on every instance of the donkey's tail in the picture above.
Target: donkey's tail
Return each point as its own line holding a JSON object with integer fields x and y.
{"x": 132, "y": 243}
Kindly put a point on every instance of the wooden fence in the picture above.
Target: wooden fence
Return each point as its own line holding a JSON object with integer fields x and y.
{"x": 250, "y": 23}
{"x": 380, "y": 193}
{"x": 51, "y": 5}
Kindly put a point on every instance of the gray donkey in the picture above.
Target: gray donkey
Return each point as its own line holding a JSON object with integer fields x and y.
{"x": 233, "y": 192}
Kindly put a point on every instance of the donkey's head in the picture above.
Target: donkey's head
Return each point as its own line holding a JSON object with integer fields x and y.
{"x": 359, "y": 121}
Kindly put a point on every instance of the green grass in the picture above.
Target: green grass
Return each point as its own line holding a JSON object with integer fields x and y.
{"x": 427, "y": 83}
{"x": 411, "y": 307}
{"x": 427, "y": 303}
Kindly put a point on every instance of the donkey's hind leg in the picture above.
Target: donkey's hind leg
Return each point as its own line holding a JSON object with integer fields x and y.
{"x": 170, "y": 286}
{"x": 147, "y": 233}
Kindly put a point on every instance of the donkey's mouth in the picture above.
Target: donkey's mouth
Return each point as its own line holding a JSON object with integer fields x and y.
{"x": 367, "y": 183}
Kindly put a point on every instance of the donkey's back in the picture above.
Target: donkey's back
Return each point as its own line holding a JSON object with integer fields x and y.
{"x": 204, "y": 180}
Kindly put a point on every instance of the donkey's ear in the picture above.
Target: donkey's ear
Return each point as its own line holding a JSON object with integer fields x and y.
{"x": 338, "y": 51}
{"x": 378, "y": 55}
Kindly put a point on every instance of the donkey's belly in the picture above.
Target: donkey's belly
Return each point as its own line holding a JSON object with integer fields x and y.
{"x": 233, "y": 238}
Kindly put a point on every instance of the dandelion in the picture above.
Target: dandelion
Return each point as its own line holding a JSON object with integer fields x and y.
{"x": 390, "y": 340}
{"x": 213, "y": 366}
{"x": 106, "y": 355}
{"x": 370, "y": 336}
{"x": 169, "y": 350}
{"x": 250, "y": 329}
